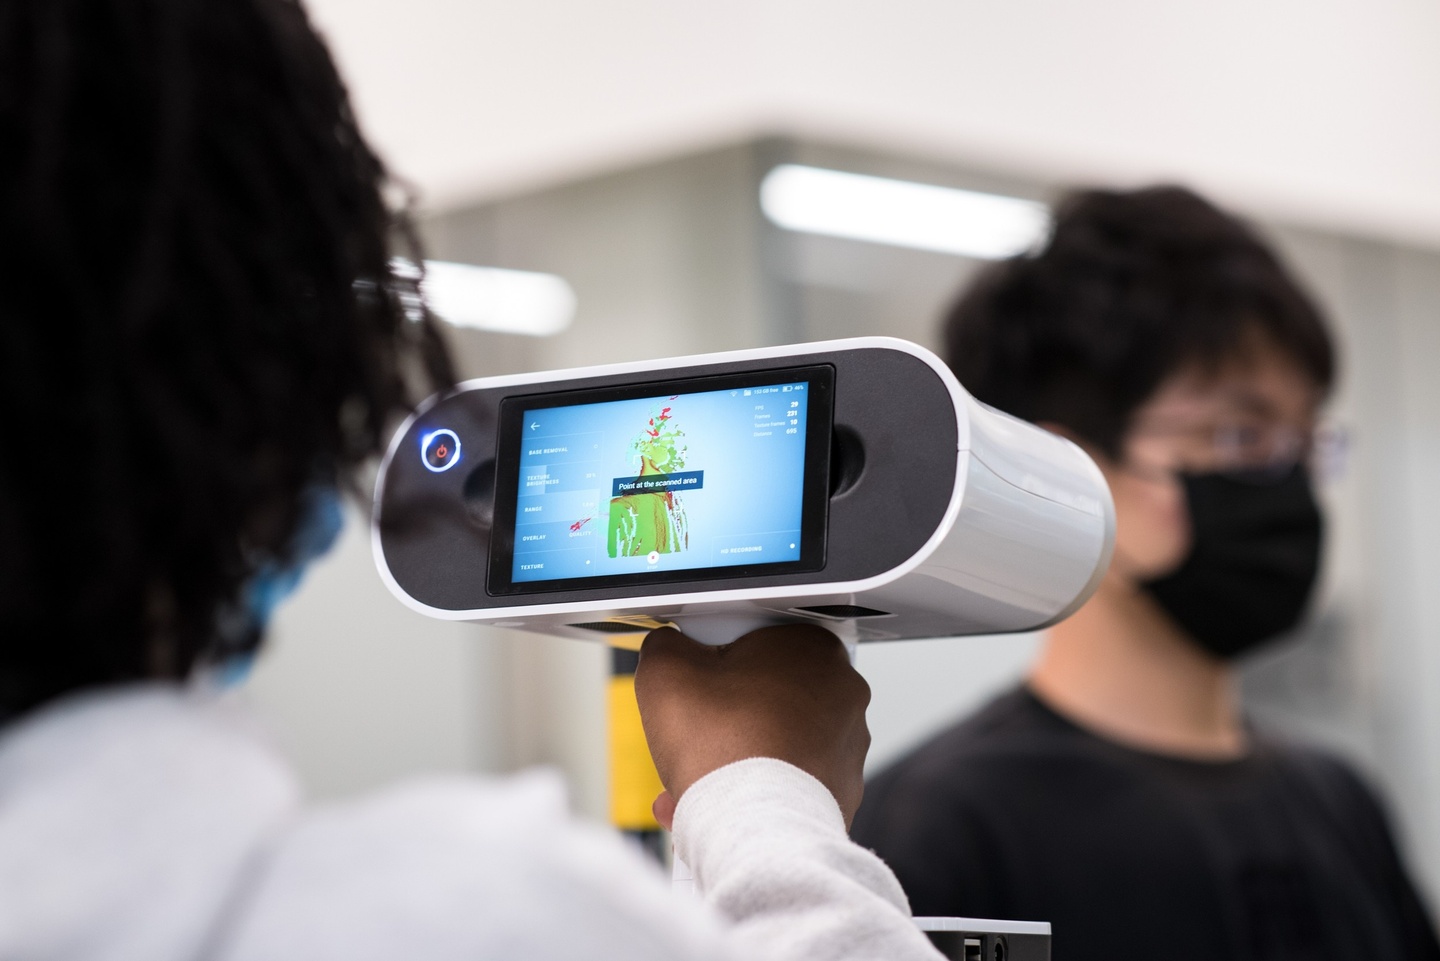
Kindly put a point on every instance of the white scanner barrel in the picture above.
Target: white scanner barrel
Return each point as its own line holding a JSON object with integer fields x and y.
{"x": 851, "y": 483}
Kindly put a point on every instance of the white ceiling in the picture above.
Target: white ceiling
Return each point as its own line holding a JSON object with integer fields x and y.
{"x": 1325, "y": 112}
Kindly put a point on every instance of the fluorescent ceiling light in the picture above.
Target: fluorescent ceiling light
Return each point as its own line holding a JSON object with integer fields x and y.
{"x": 902, "y": 213}
{"x": 494, "y": 299}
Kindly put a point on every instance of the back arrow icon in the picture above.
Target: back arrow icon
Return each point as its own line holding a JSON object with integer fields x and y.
{"x": 534, "y": 425}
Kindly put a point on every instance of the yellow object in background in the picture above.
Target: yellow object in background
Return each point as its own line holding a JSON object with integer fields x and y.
{"x": 634, "y": 782}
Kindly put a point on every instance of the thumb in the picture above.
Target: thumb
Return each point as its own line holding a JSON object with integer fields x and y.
{"x": 664, "y": 810}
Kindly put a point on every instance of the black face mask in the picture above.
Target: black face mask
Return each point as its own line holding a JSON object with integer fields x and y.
{"x": 1254, "y": 559}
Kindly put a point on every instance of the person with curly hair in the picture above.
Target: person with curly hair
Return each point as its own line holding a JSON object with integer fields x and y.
{"x": 203, "y": 342}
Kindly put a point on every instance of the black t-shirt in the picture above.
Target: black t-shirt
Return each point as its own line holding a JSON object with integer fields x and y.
{"x": 1018, "y": 813}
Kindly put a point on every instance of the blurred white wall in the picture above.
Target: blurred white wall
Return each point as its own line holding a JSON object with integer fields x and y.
{"x": 1319, "y": 112}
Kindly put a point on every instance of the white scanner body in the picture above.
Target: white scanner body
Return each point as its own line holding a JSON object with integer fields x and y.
{"x": 940, "y": 516}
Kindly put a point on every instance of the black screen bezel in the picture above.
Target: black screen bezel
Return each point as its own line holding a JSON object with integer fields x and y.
{"x": 815, "y": 487}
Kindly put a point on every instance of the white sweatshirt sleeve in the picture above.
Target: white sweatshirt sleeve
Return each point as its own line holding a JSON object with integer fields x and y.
{"x": 767, "y": 845}
{"x": 154, "y": 824}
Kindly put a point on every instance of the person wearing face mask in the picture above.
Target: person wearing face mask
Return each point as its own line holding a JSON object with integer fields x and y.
{"x": 1119, "y": 792}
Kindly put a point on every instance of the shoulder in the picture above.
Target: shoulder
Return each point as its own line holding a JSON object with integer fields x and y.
{"x": 457, "y": 867}
{"x": 1326, "y": 779}
{"x": 1331, "y": 797}
{"x": 972, "y": 773}
{"x": 170, "y": 821}
{"x": 141, "y": 803}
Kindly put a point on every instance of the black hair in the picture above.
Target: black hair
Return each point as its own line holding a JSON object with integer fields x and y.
{"x": 1129, "y": 288}
{"x": 199, "y": 323}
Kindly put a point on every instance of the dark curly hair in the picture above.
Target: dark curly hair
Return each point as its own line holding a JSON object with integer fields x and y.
{"x": 199, "y": 323}
{"x": 1130, "y": 288}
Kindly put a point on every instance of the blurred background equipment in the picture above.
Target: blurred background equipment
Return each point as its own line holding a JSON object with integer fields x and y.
{"x": 634, "y": 782}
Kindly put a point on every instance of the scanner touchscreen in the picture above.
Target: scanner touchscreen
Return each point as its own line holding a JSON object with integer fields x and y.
{"x": 650, "y": 487}
{"x": 678, "y": 481}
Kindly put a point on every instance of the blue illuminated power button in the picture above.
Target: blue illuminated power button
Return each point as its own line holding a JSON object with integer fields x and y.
{"x": 440, "y": 450}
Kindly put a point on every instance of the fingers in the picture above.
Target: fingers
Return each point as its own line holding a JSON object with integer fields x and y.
{"x": 801, "y": 650}
{"x": 807, "y": 654}
{"x": 794, "y": 637}
{"x": 666, "y": 649}
{"x": 673, "y": 665}
{"x": 782, "y": 692}
{"x": 668, "y": 642}
{"x": 665, "y": 656}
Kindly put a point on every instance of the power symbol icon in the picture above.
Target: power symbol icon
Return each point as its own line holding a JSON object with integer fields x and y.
{"x": 440, "y": 450}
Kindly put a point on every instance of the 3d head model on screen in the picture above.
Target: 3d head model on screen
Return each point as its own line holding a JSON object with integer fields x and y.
{"x": 647, "y": 511}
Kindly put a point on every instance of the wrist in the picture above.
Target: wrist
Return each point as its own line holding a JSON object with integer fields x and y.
{"x": 757, "y": 786}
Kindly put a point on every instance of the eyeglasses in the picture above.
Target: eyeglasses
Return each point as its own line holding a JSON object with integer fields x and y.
{"x": 1258, "y": 451}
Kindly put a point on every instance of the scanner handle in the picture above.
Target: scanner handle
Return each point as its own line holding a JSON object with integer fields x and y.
{"x": 718, "y": 630}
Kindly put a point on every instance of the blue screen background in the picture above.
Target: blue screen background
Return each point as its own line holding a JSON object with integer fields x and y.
{"x": 739, "y": 491}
